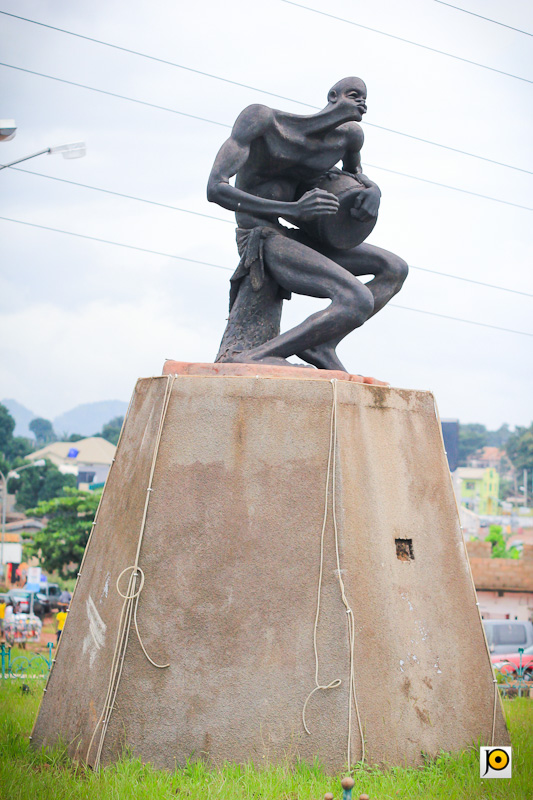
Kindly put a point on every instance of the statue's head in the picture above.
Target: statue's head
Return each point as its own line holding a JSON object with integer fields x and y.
{"x": 351, "y": 93}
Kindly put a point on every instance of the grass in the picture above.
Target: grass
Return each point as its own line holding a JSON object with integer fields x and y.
{"x": 50, "y": 775}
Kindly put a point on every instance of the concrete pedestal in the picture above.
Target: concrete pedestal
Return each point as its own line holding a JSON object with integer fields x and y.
{"x": 230, "y": 554}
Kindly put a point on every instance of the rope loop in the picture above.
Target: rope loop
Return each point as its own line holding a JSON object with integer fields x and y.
{"x": 333, "y": 685}
{"x": 128, "y": 614}
{"x": 136, "y": 571}
{"x": 331, "y": 479}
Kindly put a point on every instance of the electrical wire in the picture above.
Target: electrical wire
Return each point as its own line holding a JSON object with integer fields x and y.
{"x": 408, "y": 41}
{"x": 116, "y": 244}
{"x": 122, "y": 194}
{"x": 151, "y": 58}
{"x": 459, "y": 319}
{"x": 113, "y": 94}
{"x": 262, "y": 91}
{"x": 448, "y": 147}
{"x": 219, "y": 266}
{"x": 447, "y": 186}
{"x": 480, "y": 16}
{"x": 225, "y": 125}
{"x": 232, "y": 222}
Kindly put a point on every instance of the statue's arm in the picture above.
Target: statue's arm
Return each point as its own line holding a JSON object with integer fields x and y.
{"x": 233, "y": 155}
{"x": 351, "y": 161}
{"x": 367, "y": 205}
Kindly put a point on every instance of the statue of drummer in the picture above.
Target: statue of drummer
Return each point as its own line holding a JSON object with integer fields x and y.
{"x": 285, "y": 167}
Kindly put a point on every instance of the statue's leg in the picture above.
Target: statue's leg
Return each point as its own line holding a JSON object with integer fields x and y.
{"x": 301, "y": 269}
{"x": 389, "y": 271}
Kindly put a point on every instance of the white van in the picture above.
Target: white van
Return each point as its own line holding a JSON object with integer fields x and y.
{"x": 507, "y": 635}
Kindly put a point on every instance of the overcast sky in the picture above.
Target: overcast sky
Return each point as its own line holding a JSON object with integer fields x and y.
{"x": 81, "y": 320}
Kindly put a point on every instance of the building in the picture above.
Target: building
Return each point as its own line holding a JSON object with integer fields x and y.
{"x": 478, "y": 489}
{"x": 13, "y": 539}
{"x": 450, "y": 435}
{"x": 504, "y": 586}
{"x": 490, "y": 458}
{"x": 89, "y": 459}
{"x": 470, "y": 522}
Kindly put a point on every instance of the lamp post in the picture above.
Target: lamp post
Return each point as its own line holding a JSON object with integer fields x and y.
{"x": 72, "y": 150}
{"x": 13, "y": 473}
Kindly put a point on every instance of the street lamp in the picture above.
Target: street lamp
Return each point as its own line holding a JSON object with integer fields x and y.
{"x": 72, "y": 150}
{"x": 8, "y": 130}
{"x": 13, "y": 473}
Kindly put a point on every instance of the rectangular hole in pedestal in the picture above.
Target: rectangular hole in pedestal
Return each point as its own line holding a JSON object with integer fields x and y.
{"x": 404, "y": 549}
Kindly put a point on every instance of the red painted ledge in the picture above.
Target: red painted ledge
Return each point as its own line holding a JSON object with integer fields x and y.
{"x": 263, "y": 371}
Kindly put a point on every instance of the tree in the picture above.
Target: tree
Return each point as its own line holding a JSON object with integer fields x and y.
{"x": 40, "y": 484}
{"x": 12, "y": 448}
{"x": 519, "y": 448}
{"x": 42, "y": 430}
{"x": 500, "y": 437}
{"x": 498, "y": 541}
{"x": 471, "y": 439}
{"x": 111, "y": 430}
{"x": 7, "y": 426}
{"x": 61, "y": 544}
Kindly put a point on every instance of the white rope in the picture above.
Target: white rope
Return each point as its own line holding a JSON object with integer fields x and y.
{"x": 496, "y": 692}
{"x": 331, "y": 471}
{"x": 129, "y": 606}
{"x": 93, "y": 525}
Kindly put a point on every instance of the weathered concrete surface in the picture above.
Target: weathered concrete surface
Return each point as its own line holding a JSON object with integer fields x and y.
{"x": 231, "y": 558}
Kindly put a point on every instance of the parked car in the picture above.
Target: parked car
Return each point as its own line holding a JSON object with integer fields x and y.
{"x": 506, "y": 635}
{"x": 23, "y": 600}
{"x": 51, "y": 592}
{"x": 508, "y": 663}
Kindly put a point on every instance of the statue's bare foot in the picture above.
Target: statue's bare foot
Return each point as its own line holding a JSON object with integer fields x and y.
{"x": 322, "y": 357}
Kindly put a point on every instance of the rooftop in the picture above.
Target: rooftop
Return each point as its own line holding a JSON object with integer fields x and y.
{"x": 93, "y": 450}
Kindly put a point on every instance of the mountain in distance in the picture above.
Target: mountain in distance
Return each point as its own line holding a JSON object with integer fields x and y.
{"x": 22, "y": 416}
{"x": 89, "y": 418}
{"x": 86, "y": 419}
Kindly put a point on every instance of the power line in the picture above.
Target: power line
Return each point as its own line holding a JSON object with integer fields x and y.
{"x": 219, "y": 266}
{"x": 152, "y": 58}
{"x": 480, "y": 16}
{"x": 116, "y": 244}
{"x": 262, "y": 91}
{"x": 459, "y": 319}
{"x": 448, "y": 147}
{"x": 122, "y": 194}
{"x": 408, "y": 41}
{"x": 447, "y": 186}
{"x": 224, "y": 125}
{"x": 471, "y": 280}
{"x": 113, "y": 94}
{"x": 231, "y": 222}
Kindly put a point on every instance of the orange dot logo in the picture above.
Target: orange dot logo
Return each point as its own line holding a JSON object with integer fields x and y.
{"x": 498, "y": 759}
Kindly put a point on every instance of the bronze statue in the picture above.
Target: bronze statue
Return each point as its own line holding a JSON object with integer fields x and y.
{"x": 285, "y": 167}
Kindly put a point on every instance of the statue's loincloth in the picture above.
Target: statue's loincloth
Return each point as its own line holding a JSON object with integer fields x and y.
{"x": 250, "y": 245}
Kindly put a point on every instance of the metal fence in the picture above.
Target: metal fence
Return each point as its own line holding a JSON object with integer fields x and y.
{"x": 515, "y": 681}
{"x": 34, "y": 665}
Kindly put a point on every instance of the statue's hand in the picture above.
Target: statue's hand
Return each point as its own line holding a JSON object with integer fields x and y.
{"x": 366, "y": 203}
{"x": 314, "y": 204}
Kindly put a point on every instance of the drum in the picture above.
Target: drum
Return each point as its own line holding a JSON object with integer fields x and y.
{"x": 340, "y": 230}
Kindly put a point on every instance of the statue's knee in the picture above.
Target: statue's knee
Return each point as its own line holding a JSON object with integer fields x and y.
{"x": 358, "y": 303}
{"x": 365, "y": 303}
{"x": 398, "y": 271}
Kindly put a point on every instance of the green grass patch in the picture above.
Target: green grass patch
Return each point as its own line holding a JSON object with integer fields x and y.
{"x": 51, "y": 775}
